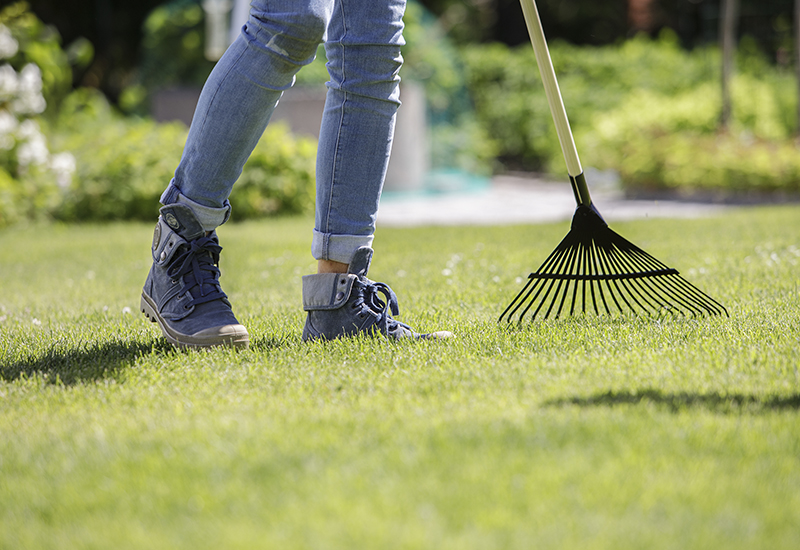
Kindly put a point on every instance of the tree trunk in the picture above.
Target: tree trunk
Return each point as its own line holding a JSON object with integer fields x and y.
{"x": 640, "y": 15}
{"x": 727, "y": 27}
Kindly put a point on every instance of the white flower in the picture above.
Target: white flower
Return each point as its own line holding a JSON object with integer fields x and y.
{"x": 8, "y": 45}
{"x": 33, "y": 151}
{"x": 29, "y": 129}
{"x": 8, "y": 82}
{"x": 30, "y": 104}
{"x": 29, "y": 91}
{"x": 37, "y": 322}
{"x": 30, "y": 78}
{"x": 63, "y": 167}
{"x": 8, "y": 123}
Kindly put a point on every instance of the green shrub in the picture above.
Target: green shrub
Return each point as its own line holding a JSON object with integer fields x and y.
{"x": 511, "y": 104}
{"x": 688, "y": 162}
{"x": 124, "y": 164}
{"x": 505, "y": 88}
{"x": 8, "y": 199}
{"x": 658, "y": 141}
{"x": 41, "y": 45}
{"x": 646, "y": 108}
{"x": 34, "y": 76}
{"x": 86, "y": 162}
{"x": 278, "y": 178}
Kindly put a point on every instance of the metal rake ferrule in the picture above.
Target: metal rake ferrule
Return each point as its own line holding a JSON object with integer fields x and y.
{"x": 596, "y": 271}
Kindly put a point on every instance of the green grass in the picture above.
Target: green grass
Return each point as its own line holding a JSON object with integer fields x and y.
{"x": 577, "y": 433}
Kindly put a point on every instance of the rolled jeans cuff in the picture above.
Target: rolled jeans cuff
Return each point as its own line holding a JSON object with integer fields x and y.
{"x": 338, "y": 248}
{"x": 208, "y": 216}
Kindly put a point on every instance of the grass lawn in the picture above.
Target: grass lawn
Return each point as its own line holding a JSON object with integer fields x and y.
{"x": 573, "y": 433}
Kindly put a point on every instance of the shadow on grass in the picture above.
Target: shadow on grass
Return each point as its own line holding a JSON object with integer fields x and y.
{"x": 88, "y": 363}
{"x": 676, "y": 402}
{"x": 92, "y": 362}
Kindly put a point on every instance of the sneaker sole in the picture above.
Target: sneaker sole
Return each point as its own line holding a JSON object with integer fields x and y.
{"x": 237, "y": 335}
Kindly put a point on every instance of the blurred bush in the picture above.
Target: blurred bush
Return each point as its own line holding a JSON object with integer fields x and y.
{"x": 40, "y": 45}
{"x": 646, "y": 108}
{"x": 34, "y": 73}
{"x": 123, "y": 165}
{"x": 109, "y": 167}
{"x": 511, "y": 103}
{"x": 278, "y": 178}
{"x": 659, "y": 141}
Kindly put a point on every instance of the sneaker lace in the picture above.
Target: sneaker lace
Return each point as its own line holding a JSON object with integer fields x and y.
{"x": 368, "y": 296}
{"x": 196, "y": 266}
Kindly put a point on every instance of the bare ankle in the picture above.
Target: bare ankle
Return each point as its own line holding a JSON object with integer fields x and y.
{"x": 329, "y": 266}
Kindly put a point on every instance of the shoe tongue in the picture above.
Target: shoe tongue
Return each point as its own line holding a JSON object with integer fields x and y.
{"x": 182, "y": 220}
{"x": 359, "y": 265}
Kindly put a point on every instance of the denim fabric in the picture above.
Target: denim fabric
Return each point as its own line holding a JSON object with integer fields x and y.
{"x": 362, "y": 41}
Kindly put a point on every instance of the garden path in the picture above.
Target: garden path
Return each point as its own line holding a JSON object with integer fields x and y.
{"x": 524, "y": 198}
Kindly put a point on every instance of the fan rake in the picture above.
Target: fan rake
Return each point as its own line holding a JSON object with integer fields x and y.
{"x": 593, "y": 269}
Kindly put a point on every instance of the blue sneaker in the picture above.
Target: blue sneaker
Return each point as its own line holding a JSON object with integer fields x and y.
{"x": 182, "y": 291}
{"x": 347, "y": 304}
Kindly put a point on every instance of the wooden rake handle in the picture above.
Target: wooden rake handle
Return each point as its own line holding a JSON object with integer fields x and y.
{"x": 556, "y": 103}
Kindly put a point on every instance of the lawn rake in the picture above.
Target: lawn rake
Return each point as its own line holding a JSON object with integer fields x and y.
{"x": 593, "y": 269}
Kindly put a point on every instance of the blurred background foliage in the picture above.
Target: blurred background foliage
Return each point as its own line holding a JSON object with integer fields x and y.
{"x": 642, "y": 92}
{"x": 646, "y": 108}
{"x": 110, "y": 165}
{"x": 122, "y": 164}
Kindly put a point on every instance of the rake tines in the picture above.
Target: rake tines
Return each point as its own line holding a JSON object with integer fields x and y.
{"x": 596, "y": 271}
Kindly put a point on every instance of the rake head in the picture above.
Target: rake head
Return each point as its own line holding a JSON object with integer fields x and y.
{"x": 594, "y": 270}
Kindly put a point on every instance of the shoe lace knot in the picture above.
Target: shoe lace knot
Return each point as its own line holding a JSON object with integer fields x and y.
{"x": 380, "y": 299}
{"x": 196, "y": 266}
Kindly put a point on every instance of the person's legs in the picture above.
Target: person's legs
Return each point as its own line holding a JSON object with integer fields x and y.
{"x": 182, "y": 292}
{"x": 239, "y": 97}
{"x": 363, "y": 50}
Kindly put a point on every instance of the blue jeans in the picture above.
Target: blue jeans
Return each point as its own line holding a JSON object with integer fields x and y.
{"x": 362, "y": 41}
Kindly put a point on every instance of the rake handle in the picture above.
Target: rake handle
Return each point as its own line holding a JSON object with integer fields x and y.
{"x": 555, "y": 102}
